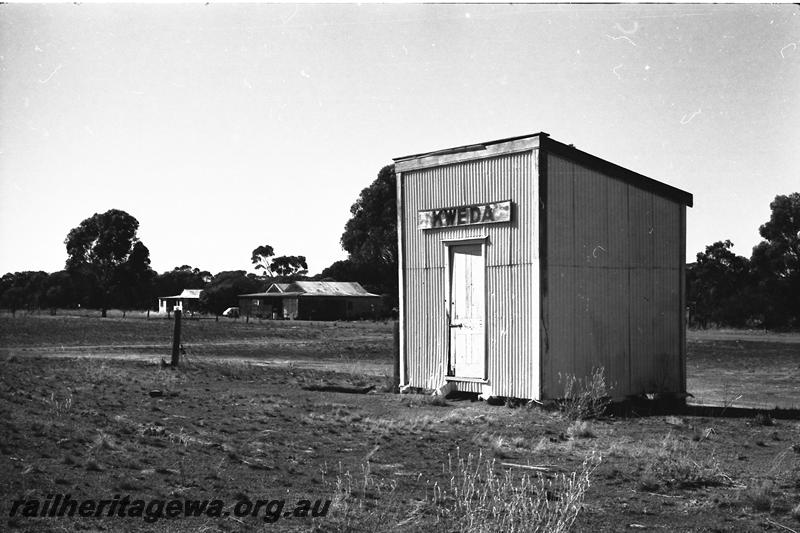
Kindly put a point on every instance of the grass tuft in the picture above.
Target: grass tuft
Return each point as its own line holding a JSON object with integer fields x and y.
{"x": 760, "y": 496}
{"x": 585, "y": 398}
{"x": 672, "y": 463}
{"x": 581, "y": 429}
{"x": 763, "y": 419}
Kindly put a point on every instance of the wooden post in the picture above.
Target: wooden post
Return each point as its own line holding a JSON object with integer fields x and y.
{"x": 396, "y": 354}
{"x": 176, "y": 338}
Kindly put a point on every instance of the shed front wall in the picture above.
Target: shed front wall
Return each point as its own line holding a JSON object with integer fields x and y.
{"x": 511, "y": 263}
{"x": 612, "y": 283}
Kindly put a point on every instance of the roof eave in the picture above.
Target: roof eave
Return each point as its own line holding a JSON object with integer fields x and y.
{"x": 634, "y": 178}
{"x": 469, "y": 152}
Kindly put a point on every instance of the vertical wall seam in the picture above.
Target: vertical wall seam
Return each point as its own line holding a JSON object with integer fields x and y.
{"x": 630, "y": 290}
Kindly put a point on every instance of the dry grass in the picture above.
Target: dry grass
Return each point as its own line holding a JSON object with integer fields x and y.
{"x": 478, "y": 498}
{"x": 677, "y": 464}
{"x": 759, "y": 496}
{"x": 362, "y": 502}
{"x": 585, "y": 398}
{"x": 59, "y": 406}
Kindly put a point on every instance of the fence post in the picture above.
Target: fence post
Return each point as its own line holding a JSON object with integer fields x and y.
{"x": 176, "y": 338}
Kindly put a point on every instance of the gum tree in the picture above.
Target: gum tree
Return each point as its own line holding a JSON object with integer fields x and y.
{"x": 106, "y": 245}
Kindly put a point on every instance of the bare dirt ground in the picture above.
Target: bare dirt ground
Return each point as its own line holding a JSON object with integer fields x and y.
{"x": 760, "y": 370}
{"x": 251, "y": 415}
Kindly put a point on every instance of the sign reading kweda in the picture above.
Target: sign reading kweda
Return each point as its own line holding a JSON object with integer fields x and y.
{"x": 466, "y": 215}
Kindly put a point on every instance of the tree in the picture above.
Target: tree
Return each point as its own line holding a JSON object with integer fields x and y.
{"x": 106, "y": 245}
{"x": 370, "y": 236}
{"x": 183, "y": 277}
{"x": 224, "y": 289}
{"x": 776, "y": 263}
{"x": 23, "y": 290}
{"x": 59, "y": 291}
{"x": 289, "y": 266}
{"x": 260, "y": 258}
{"x": 135, "y": 281}
{"x": 343, "y": 270}
{"x": 718, "y": 287}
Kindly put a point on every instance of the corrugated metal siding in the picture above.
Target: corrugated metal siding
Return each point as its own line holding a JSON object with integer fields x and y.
{"x": 512, "y": 271}
{"x": 613, "y": 276}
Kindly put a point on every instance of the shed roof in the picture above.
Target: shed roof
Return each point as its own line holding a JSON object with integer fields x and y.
{"x": 543, "y": 140}
{"x": 314, "y": 288}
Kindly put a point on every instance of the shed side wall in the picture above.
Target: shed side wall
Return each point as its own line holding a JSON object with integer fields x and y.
{"x": 613, "y": 278}
{"x": 512, "y": 275}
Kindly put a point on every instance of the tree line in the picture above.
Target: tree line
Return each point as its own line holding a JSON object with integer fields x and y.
{"x": 108, "y": 266}
{"x": 725, "y": 289}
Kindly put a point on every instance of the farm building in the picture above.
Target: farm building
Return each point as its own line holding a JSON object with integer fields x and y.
{"x": 524, "y": 261}
{"x": 311, "y": 300}
{"x": 188, "y": 301}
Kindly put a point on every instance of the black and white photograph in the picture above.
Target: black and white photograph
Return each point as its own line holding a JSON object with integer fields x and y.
{"x": 399, "y": 267}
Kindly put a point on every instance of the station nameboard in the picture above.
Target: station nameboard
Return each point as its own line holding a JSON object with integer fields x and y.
{"x": 465, "y": 215}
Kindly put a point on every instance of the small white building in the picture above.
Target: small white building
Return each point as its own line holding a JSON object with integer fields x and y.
{"x": 186, "y": 301}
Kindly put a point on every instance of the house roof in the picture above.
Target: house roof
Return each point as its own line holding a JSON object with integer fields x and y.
{"x": 187, "y": 294}
{"x": 314, "y": 288}
{"x": 278, "y": 287}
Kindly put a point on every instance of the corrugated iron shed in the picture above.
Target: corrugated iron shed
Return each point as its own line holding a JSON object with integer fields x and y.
{"x": 587, "y": 271}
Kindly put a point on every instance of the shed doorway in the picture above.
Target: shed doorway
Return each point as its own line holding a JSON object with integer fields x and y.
{"x": 466, "y": 311}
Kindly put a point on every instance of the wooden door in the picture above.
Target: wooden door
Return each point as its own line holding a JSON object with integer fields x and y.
{"x": 467, "y": 312}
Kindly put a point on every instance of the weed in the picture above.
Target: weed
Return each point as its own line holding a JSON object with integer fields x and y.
{"x": 796, "y": 512}
{"x": 93, "y": 466}
{"x": 648, "y": 483}
{"x": 59, "y": 408}
{"x": 585, "y": 398}
{"x": 238, "y": 370}
{"x": 580, "y": 429}
{"x": 387, "y": 384}
{"x": 438, "y": 401}
{"x": 759, "y": 496}
{"x": 727, "y": 397}
{"x": 356, "y": 500}
{"x": 763, "y": 419}
{"x": 672, "y": 464}
{"x": 181, "y": 438}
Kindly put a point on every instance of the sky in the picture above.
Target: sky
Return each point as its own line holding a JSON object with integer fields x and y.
{"x": 222, "y": 127}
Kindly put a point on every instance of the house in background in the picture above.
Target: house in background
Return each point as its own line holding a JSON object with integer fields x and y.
{"x": 311, "y": 300}
{"x": 187, "y": 301}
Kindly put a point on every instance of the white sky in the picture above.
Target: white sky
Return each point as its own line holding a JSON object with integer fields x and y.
{"x": 223, "y": 127}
